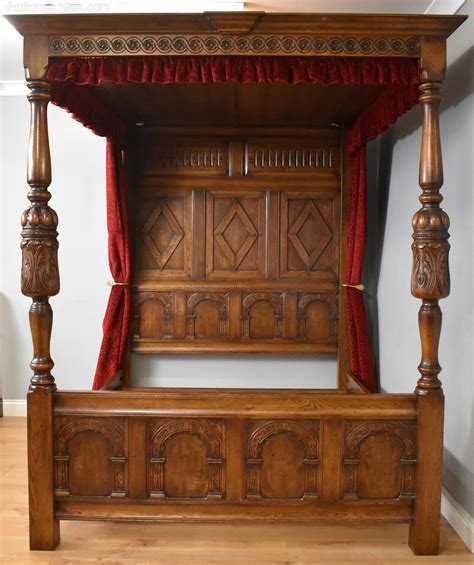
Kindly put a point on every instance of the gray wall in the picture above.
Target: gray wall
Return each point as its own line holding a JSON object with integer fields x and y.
{"x": 397, "y": 310}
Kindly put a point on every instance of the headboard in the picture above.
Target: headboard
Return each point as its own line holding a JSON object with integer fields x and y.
{"x": 237, "y": 241}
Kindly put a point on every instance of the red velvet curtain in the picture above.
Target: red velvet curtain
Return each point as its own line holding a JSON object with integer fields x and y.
{"x": 117, "y": 316}
{"x": 73, "y": 80}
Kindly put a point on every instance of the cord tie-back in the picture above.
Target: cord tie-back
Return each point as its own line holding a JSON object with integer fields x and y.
{"x": 113, "y": 283}
{"x": 359, "y": 286}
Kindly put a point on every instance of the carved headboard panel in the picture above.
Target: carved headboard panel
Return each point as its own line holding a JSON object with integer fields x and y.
{"x": 237, "y": 242}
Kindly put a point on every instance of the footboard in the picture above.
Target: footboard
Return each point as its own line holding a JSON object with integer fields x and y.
{"x": 223, "y": 455}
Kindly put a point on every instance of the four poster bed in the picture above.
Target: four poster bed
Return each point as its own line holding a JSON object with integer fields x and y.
{"x": 236, "y": 210}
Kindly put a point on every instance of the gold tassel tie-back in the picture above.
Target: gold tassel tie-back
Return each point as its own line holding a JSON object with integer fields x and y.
{"x": 113, "y": 283}
{"x": 359, "y": 286}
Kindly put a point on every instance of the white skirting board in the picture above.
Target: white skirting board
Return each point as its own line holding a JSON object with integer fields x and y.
{"x": 460, "y": 520}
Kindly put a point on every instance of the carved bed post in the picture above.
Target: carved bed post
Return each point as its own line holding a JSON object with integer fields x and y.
{"x": 430, "y": 282}
{"x": 39, "y": 281}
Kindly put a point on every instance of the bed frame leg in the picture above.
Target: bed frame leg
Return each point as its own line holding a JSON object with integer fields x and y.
{"x": 430, "y": 282}
{"x": 424, "y": 531}
{"x": 44, "y": 527}
{"x": 39, "y": 281}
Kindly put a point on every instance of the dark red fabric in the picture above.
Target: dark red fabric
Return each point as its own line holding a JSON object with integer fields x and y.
{"x": 117, "y": 316}
{"x": 172, "y": 69}
{"x": 73, "y": 80}
{"x": 360, "y": 351}
{"x": 85, "y": 107}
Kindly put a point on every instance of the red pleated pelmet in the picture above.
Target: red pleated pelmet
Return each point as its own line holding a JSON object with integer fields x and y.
{"x": 73, "y": 81}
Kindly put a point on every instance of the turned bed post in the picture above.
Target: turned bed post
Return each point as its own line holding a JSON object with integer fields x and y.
{"x": 430, "y": 282}
{"x": 40, "y": 281}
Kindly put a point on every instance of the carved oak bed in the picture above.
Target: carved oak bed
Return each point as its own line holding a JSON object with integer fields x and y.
{"x": 237, "y": 216}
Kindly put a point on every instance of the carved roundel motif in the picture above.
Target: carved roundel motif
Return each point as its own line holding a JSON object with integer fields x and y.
{"x": 208, "y": 44}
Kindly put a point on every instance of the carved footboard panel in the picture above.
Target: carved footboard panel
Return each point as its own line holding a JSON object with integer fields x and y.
{"x": 234, "y": 455}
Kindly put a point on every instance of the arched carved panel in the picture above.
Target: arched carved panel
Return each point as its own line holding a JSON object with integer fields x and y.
{"x": 213, "y": 308}
{"x": 153, "y": 315}
{"x": 386, "y": 450}
{"x": 317, "y": 317}
{"x": 73, "y": 449}
{"x": 301, "y": 438}
{"x": 170, "y": 444}
{"x": 263, "y": 326}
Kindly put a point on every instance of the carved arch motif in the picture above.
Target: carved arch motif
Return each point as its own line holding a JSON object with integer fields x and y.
{"x": 359, "y": 432}
{"x": 113, "y": 430}
{"x": 307, "y": 433}
{"x": 166, "y": 300}
{"x": 197, "y": 298}
{"x": 249, "y": 300}
{"x": 304, "y": 301}
{"x": 211, "y": 433}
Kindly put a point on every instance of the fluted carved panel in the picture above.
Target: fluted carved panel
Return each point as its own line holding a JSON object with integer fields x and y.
{"x": 185, "y": 157}
{"x": 266, "y": 157}
{"x": 282, "y": 459}
{"x": 309, "y": 236}
{"x": 379, "y": 459}
{"x": 96, "y": 444}
{"x": 186, "y": 459}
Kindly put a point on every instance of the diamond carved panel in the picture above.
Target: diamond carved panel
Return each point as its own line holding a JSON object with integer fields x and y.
{"x": 309, "y": 235}
{"x": 235, "y": 234}
{"x": 162, "y": 234}
{"x": 163, "y": 243}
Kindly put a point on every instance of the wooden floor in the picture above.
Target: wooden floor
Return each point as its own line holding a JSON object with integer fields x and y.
{"x": 91, "y": 542}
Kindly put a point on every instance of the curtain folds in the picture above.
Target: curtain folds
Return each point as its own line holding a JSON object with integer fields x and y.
{"x": 117, "y": 316}
{"x": 73, "y": 81}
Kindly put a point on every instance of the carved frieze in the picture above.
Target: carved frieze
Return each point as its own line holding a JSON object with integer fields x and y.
{"x": 207, "y": 44}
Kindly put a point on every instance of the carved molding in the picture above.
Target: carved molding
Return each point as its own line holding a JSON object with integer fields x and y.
{"x": 305, "y": 300}
{"x": 357, "y": 432}
{"x": 307, "y": 434}
{"x": 206, "y": 44}
{"x": 249, "y": 300}
{"x": 211, "y": 432}
{"x": 197, "y": 298}
{"x": 113, "y": 430}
